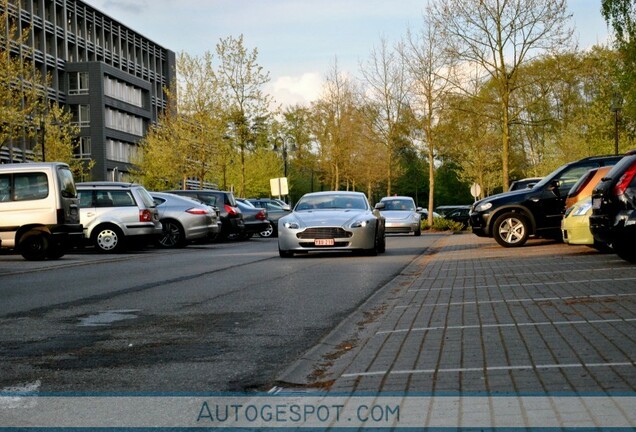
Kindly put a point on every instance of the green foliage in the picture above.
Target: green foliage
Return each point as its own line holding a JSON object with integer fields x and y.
{"x": 441, "y": 224}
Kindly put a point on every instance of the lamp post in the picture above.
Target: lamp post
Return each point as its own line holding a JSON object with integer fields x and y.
{"x": 615, "y": 107}
{"x": 281, "y": 145}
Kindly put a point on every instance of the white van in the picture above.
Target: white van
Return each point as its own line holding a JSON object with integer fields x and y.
{"x": 39, "y": 209}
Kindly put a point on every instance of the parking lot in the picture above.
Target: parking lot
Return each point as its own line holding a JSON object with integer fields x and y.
{"x": 470, "y": 316}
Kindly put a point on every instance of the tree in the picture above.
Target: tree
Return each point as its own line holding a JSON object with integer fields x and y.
{"x": 387, "y": 87}
{"x": 430, "y": 68}
{"x": 59, "y": 135}
{"x": 241, "y": 80}
{"x": 621, "y": 15}
{"x": 497, "y": 37}
{"x": 22, "y": 103}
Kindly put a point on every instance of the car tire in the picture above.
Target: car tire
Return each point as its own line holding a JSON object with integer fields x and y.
{"x": 172, "y": 236}
{"x": 625, "y": 251}
{"x": 418, "y": 231}
{"x": 268, "y": 232}
{"x": 381, "y": 248}
{"x": 511, "y": 230}
{"x": 55, "y": 251}
{"x": 285, "y": 253}
{"x": 34, "y": 245}
{"x": 108, "y": 238}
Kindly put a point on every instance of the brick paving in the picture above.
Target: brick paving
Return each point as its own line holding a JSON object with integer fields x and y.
{"x": 469, "y": 316}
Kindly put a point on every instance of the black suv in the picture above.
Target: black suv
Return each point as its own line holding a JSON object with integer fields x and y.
{"x": 231, "y": 216}
{"x": 511, "y": 217}
{"x": 613, "y": 219}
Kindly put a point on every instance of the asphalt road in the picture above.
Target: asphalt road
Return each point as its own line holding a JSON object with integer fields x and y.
{"x": 207, "y": 318}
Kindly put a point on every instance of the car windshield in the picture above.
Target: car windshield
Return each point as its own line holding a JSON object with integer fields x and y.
{"x": 336, "y": 201}
{"x": 399, "y": 204}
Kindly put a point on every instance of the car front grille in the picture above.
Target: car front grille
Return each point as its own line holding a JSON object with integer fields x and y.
{"x": 324, "y": 233}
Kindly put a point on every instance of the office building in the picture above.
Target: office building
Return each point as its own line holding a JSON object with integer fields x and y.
{"x": 111, "y": 78}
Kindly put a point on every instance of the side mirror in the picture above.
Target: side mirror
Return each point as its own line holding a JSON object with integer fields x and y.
{"x": 419, "y": 210}
{"x": 380, "y": 206}
{"x": 554, "y": 187}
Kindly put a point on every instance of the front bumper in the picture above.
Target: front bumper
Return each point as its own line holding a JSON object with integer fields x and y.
{"x": 393, "y": 227}
{"x": 479, "y": 223}
{"x": 338, "y": 238}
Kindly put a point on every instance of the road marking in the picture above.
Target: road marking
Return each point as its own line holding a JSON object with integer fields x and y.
{"x": 523, "y": 284}
{"x": 529, "y": 324}
{"x": 531, "y": 273}
{"x": 488, "y": 368}
{"x": 523, "y": 300}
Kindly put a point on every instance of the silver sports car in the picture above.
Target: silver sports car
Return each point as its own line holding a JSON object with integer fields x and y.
{"x": 332, "y": 221}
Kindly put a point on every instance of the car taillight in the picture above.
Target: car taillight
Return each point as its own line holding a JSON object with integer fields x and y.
{"x": 625, "y": 180}
{"x": 145, "y": 216}
{"x": 261, "y": 215}
{"x": 230, "y": 210}
{"x": 198, "y": 211}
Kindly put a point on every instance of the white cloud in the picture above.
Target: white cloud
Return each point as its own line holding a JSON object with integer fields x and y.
{"x": 292, "y": 90}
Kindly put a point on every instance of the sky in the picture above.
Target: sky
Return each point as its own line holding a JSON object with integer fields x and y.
{"x": 298, "y": 41}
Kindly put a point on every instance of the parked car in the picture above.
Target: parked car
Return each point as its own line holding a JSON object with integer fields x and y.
{"x": 575, "y": 225}
{"x": 584, "y": 187}
{"x": 526, "y": 183}
{"x": 401, "y": 214}
{"x": 39, "y": 210}
{"x": 460, "y": 215}
{"x": 511, "y": 217}
{"x": 231, "y": 216}
{"x": 334, "y": 221}
{"x": 255, "y": 219}
{"x": 116, "y": 213}
{"x": 613, "y": 219}
{"x": 184, "y": 220}
{"x": 443, "y": 210}
{"x": 274, "y": 212}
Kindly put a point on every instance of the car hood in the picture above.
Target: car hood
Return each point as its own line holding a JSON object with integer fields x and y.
{"x": 397, "y": 214}
{"x": 328, "y": 217}
{"x": 505, "y": 196}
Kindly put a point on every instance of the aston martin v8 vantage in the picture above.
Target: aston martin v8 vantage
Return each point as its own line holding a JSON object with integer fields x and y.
{"x": 332, "y": 221}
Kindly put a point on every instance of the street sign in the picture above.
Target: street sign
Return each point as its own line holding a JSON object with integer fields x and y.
{"x": 279, "y": 186}
{"x": 475, "y": 190}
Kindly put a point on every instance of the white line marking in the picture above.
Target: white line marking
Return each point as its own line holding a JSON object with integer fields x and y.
{"x": 529, "y": 324}
{"x": 530, "y": 273}
{"x": 486, "y": 369}
{"x": 524, "y": 284}
{"x": 523, "y": 300}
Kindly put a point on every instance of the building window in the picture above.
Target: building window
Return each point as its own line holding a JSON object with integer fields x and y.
{"x": 83, "y": 148}
{"x": 124, "y": 122}
{"x": 121, "y": 151}
{"x": 81, "y": 115}
{"x": 123, "y": 92}
{"x": 78, "y": 83}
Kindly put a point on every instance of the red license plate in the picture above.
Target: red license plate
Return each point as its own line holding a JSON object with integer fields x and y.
{"x": 324, "y": 242}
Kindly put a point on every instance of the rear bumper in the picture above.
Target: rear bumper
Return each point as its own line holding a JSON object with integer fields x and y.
{"x": 621, "y": 228}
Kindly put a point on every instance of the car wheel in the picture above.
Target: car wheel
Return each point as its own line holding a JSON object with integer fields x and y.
{"x": 34, "y": 245}
{"x": 285, "y": 253}
{"x": 173, "y": 235}
{"x": 56, "y": 251}
{"x": 108, "y": 239}
{"x": 269, "y": 232}
{"x": 418, "y": 231}
{"x": 511, "y": 230}
{"x": 625, "y": 251}
{"x": 381, "y": 248}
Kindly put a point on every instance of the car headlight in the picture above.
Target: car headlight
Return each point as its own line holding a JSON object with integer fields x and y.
{"x": 360, "y": 224}
{"x": 582, "y": 209}
{"x": 483, "y": 207}
{"x": 292, "y": 225}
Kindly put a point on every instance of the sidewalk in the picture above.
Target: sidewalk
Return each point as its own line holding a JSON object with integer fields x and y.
{"x": 469, "y": 316}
